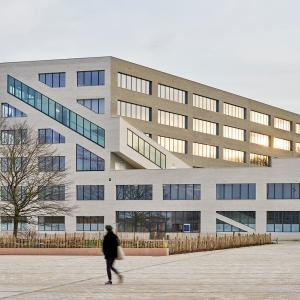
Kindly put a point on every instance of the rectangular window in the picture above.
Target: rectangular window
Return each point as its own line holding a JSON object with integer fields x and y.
{"x": 205, "y": 103}
{"x": 233, "y": 155}
{"x": 53, "y": 80}
{"x": 259, "y": 160}
{"x": 7, "y": 224}
{"x": 54, "y": 109}
{"x": 297, "y": 128}
{"x": 205, "y": 126}
{"x": 53, "y": 223}
{"x": 134, "y": 192}
{"x": 51, "y": 163}
{"x": 173, "y": 145}
{"x": 282, "y": 124}
{"x": 157, "y": 221}
{"x": 52, "y": 193}
{"x": 90, "y": 192}
{"x": 172, "y": 119}
{"x": 14, "y": 137}
{"x": 94, "y": 223}
{"x": 259, "y": 139}
{"x": 181, "y": 192}
{"x": 234, "y": 133}
{"x": 204, "y": 150}
{"x": 281, "y": 144}
{"x": 238, "y": 191}
{"x": 283, "y": 221}
{"x": 135, "y": 111}
{"x": 297, "y": 147}
{"x": 244, "y": 217}
{"x": 9, "y": 111}
{"x": 283, "y": 191}
{"x": 90, "y": 78}
{"x": 234, "y": 111}
{"x": 135, "y": 84}
{"x": 259, "y": 118}
{"x": 172, "y": 94}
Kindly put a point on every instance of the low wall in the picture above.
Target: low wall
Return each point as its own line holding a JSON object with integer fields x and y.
{"x": 82, "y": 251}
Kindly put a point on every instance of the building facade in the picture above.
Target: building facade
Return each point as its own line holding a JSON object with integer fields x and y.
{"x": 159, "y": 150}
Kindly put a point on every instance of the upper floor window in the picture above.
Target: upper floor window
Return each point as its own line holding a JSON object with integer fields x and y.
{"x": 96, "y": 105}
{"x": 88, "y": 161}
{"x": 9, "y": 194}
{"x": 172, "y": 94}
{"x": 205, "y": 126}
{"x": 144, "y": 148}
{"x": 283, "y": 221}
{"x": 173, "y": 145}
{"x": 50, "y": 136}
{"x": 52, "y": 193}
{"x": 205, "y": 103}
{"x": 234, "y": 111}
{"x": 134, "y": 111}
{"x": 87, "y": 223}
{"x": 259, "y": 160}
{"x": 204, "y": 150}
{"x": 282, "y": 124}
{"x": 283, "y": 191}
{"x": 282, "y": 144}
{"x": 53, "y": 80}
{"x": 9, "y": 111}
{"x": 297, "y": 147}
{"x": 234, "y": 133}
{"x": 133, "y": 83}
{"x": 297, "y": 128}
{"x": 172, "y": 119}
{"x": 90, "y": 78}
{"x": 234, "y": 155}
{"x": 239, "y": 191}
{"x": 90, "y": 192}
{"x": 51, "y": 223}
{"x": 134, "y": 192}
{"x": 7, "y": 224}
{"x": 14, "y": 165}
{"x": 181, "y": 191}
{"x": 259, "y": 139}
{"x": 13, "y": 137}
{"x": 259, "y": 118}
{"x": 51, "y": 163}
{"x": 56, "y": 111}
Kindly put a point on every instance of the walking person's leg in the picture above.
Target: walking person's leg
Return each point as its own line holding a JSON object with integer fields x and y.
{"x": 108, "y": 269}
{"x": 116, "y": 271}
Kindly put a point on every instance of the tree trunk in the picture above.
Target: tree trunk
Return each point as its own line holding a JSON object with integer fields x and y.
{"x": 16, "y": 223}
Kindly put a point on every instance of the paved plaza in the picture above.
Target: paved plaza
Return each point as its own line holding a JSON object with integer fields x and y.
{"x": 263, "y": 272}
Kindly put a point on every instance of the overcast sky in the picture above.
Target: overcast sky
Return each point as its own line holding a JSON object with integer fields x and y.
{"x": 251, "y": 48}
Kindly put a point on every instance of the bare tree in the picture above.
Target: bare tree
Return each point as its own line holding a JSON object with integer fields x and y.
{"x": 32, "y": 176}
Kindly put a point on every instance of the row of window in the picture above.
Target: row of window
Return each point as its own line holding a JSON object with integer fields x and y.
{"x": 56, "y": 111}
{"x": 237, "y": 191}
{"x": 144, "y": 148}
{"x": 135, "y": 84}
{"x": 164, "y": 221}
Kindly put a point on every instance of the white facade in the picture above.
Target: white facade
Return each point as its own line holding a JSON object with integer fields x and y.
{"x": 126, "y": 166}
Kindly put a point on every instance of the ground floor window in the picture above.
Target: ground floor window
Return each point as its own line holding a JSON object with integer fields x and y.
{"x": 7, "y": 224}
{"x": 283, "y": 221}
{"x": 244, "y": 217}
{"x": 51, "y": 223}
{"x": 90, "y": 223}
{"x": 158, "y": 221}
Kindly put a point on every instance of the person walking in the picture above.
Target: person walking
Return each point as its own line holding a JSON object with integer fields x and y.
{"x": 110, "y": 251}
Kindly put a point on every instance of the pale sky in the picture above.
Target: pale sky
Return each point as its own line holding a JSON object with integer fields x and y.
{"x": 247, "y": 47}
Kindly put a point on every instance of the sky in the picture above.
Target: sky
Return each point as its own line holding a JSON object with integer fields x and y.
{"x": 247, "y": 47}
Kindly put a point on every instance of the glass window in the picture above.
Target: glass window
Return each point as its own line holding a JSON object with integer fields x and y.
{"x": 134, "y": 192}
{"x": 259, "y": 159}
{"x": 53, "y": 80}
{"x": 234, "y": 133}
{"x": 205, "y": 103}
{"x": 203, "y": 150}
{"x": 134, "y": 84}
{"x": 282, "y": 124}
{"x": 167, "y": 93}
{"x": 236, "y": 191}
{"x": 281, "y": 144}
{"x": 88, "y": 161}
{"x": 134, "y": 111}
{"x": 171, "y": 119}
{"x": 91, "y": 78}
{"x": 233, "y": 155}
{"x": 259, "y": 118}
{"x": 234, "y": 111}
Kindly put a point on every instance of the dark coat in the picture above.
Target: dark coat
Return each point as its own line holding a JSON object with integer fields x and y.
{"x": 110, "y": 246}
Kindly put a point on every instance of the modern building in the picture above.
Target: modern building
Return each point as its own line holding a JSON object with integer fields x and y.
{"x": 155, "y": 153}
